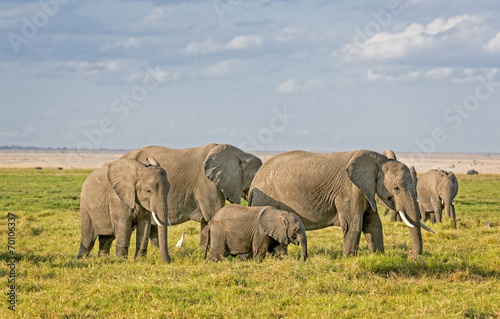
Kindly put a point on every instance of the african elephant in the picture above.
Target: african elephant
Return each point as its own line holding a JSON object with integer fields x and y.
{"x": 436, "y": 190}
{"x": 201, "y": 179}
{"x": 394, "y": 215}
{"x": 339, "y": 189}
{"x": 118, "y": 197}
{"x": 256, "y": 231}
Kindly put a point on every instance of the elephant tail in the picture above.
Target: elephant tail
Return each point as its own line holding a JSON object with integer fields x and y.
{"x": 208, "y": 241}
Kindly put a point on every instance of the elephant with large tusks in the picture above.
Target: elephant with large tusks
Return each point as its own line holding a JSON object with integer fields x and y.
{"x": 256, "y": 231}
{"x": 201, "y": 179}
{"x": 339, "y": 189}
{"x": 118, "y": 197}
{"x": 436, "y": 190}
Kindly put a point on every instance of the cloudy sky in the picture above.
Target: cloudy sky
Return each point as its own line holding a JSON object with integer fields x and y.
{"x": 414, "y": 75}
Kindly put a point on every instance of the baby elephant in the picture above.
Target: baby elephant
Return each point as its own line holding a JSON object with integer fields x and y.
{"x": 255, "y": 230}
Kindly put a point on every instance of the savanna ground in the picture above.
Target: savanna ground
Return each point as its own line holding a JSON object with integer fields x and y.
{"x": 457, "y": 277}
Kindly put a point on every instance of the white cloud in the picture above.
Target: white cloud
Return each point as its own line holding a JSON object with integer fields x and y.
{"x": 240, "y": 42}
{"x": 494, "y": 44}
{"x": 223, "y": 68}
{"x": 292, "y": 85}
{"x": 388, "y": 74}
{"x": 287, "y": 87}
{"x": 243, "y": 42}
{"x": 207, "y": 46}
{"x": 288, "y": 33}
{"x": 417, "y": 36}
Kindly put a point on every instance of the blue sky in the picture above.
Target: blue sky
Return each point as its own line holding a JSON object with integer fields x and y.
{"x": 414, "y": 76}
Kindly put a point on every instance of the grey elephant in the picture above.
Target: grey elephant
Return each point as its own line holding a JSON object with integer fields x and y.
{"x": 394, "y": 215}
{"x": 339, "y": 189}
{"x": 118, "y": 197}
{"x": 201, "y": 179}
{"x": 436, "y": 190}
{"x": 236, "y": 230}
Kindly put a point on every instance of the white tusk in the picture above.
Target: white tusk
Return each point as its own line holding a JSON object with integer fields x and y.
{"x": 158, "y": 221}
{"x": 442, "y": 202}
{"x": 168, "y": 221}
{"x": 403, "y": 217}
{"x": 427, "y": 228}
{"x": 453, "y": 202}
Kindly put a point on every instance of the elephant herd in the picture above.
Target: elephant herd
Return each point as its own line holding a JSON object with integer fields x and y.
{"x": 154, "y": 187}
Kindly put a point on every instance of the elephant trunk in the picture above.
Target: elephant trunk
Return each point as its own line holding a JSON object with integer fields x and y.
{"x": 163, "y": 221}
{"x": 163, "y": 241}
{"x": 411, "y": 216}
{"x": 449, "y": 206}
{"x": 303, "y": 245}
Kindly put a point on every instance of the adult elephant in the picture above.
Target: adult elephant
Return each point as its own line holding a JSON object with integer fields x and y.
{"x": 339, "y": 189}
{"x": 201, "y": 179}
{"x": 436, "y": 190}
{"x": 118, "y": 197}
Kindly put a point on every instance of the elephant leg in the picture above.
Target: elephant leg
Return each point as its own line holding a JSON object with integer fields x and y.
{"x": 351, "y": 224}
{"x": 372, "y": 229}
{"x": 88, "y": 236}
{"x": 394, "y": 216}
{"x": 86, "y": 245}
{"x": 259, "y": 250}
{"x": 203, "y": 233}
{"x": 123, "y": 232}
{"x": 142, "y": 237}
{"x": 387, "y": 210}
{"x": 423, "y": 213}
{"x": 437, "y": 214}
{"x": 218, "y": 246}
{"x": 153, "y": 235}
{"x": 105, "y": 242}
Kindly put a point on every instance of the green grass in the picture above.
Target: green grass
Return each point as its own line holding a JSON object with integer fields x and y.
{"x": 457, "y": 277}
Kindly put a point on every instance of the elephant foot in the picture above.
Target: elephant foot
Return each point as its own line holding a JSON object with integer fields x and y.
{"x": 141, "y": 253}
{"x": 103, "y": 253}
{"x": 121, "y": 251}
{"x": 155, "y": 242}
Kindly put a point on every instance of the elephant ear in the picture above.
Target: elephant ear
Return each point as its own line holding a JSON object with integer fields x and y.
{"x": 122, "y": 175}
{"x": 274, "y": 224}
{"x": 222, "y": 167}
{"x": 363, "y": 169}
{"x": 152, "y": 162}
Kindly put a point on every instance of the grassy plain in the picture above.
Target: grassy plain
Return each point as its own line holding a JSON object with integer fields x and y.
{"x": 457, "y": 277}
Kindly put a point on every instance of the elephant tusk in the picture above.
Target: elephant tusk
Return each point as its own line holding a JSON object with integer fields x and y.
{"x": 158, "y": 221}
{"x": 403, "y": 217}
{"x": 427, "y": 228}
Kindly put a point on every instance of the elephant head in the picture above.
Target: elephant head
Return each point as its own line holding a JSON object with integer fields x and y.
{"x": 284, "y": 227}
{"x": 447, "y": 188}
{"x": 391, "y": 180}
{"x": 232, "y": 170}
{"x": 145, "y": 185}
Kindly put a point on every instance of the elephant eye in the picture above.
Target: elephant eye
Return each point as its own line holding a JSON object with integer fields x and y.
{"x": 396, "y": 189}
{"x": 389, "y": 198}
{"x": 148, "y": 191}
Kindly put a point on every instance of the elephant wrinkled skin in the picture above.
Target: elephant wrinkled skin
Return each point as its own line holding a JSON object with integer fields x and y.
{"x": 339, "y": 189}
{"x": 201, "y": 179}
{"x": 255, "y": 230}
